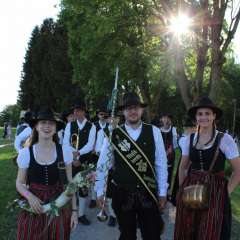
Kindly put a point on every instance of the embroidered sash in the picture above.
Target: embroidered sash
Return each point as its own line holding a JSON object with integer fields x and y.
{"x": 137, "y": 161}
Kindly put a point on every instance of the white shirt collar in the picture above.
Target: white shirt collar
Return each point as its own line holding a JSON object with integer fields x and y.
{"x": 102, "y": 126}
{"x": 128, "y": 128}
{"x": 83, "y": 122}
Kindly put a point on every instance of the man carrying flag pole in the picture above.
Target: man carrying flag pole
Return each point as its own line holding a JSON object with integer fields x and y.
{"x": 139, "y": 184}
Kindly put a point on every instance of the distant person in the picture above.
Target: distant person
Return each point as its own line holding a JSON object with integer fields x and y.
{"x": 19, "y": 124}
{"x": 9, "y": 131}
{"x": 5, "y": 130}
{"x": 23, "y": 132}
{"x": 35, "y": 112}
{"x": 169, "y": 135}
{"x": 157, "y": 122}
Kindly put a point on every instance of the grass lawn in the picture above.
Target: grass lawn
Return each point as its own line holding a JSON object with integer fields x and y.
{"x": 8, "y": 173}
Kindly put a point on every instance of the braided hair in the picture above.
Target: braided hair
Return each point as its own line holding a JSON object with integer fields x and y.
{"x": 213, "y": 134}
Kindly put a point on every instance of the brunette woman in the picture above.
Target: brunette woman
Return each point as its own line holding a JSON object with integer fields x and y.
{"x": 39, "y": 164}
{"x": 169, "y": 135}
{"x": 199, "y": 150}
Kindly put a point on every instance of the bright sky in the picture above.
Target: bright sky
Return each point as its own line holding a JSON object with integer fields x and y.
{"x": 17, "y": 21}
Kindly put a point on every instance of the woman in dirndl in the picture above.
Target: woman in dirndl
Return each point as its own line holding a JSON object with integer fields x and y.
{"x": 38, "y": 167}
{"x": 169, "y": 135}
{"x": 199, "y": 150}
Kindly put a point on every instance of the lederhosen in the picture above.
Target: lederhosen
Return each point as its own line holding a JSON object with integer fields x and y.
{"x": 215, "y": 223}
{"x": 129, "y": 196}
{"x": 83, "y": 139}
{"x": 168, "y": 136}
{"x": 176, "y": 181}
{"x": 46, "y": 184}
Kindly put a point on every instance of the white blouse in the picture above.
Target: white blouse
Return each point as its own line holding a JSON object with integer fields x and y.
{"x": 227, "y": 145}
{"x": 23, "y": 159}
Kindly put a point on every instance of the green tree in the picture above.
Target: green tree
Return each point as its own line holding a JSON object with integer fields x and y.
{"x": 135, "y": 36}
{"x": 47, "y": 70}
{"x": 104, "y": 35}
{"x": 10, "y": 114}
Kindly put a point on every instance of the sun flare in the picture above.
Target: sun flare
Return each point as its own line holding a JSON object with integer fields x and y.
{"x": 180, "y": 24}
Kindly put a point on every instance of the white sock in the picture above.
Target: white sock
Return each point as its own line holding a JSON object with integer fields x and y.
{"x": 111, "y": 212}
{"x": 81, "y": 206}
{"x": 94, "y": 194}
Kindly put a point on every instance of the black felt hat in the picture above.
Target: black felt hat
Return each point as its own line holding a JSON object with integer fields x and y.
{"x": 129, "y": 99}
{"x": 35, "y": 111}
{"x": 69, "y": 112}
{"x": 81, "y": 105}
{"x": 205, "y": 103}
{"x": 27, "y": 117}
{"x": 47, "y": 113}
{"x": 157, "y": 122}
{"x": 189, "y": 122}
{"x": 63, "y": 117}
{"x": 102, "y": 109}
{"x": 109, "y": 113}
{"x": 165, "y": 113}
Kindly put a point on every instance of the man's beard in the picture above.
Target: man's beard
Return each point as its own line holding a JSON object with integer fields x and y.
{"x": 135, "y": 121}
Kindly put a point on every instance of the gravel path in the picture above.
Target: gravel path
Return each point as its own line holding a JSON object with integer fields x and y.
{"x": 101, "y": 231}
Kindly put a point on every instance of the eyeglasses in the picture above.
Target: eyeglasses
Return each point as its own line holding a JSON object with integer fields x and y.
{"x": 135, "y": 108}
{"x": 103, "y": 114}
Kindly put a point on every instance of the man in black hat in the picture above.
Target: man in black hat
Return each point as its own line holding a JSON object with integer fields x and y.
{"x": 100, "y": 124}
{"x": 85, "y": 132}
{"x": 139, "y": 184}
{"x": 23, "y": 132}
{"x": 66, "y": 118}
{"x": 99, "y": 143}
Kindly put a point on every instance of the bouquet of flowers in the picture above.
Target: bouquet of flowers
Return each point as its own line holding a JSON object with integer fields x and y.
{"x": 84, "y": 179}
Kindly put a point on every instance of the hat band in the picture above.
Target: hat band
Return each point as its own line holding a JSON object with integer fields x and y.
{"x": 132, "y": 103}
{"x": 46, "y": 116}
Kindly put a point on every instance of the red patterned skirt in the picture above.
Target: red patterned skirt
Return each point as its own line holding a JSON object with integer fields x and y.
{"x": 39, "y": 227}
{"x": 214, "y": 223}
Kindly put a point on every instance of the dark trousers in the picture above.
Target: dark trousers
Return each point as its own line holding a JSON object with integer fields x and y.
{"x": 128, "y": 206}
{"x": 170, "y": 169}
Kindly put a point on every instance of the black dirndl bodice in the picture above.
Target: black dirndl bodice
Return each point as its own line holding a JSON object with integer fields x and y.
{"x": 214, "y": 223}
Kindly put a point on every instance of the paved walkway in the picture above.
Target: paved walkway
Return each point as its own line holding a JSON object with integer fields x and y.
{"x": 101, "y": 231}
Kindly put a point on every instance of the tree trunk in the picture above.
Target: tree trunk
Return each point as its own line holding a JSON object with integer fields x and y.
{"x": 183, "y": 81}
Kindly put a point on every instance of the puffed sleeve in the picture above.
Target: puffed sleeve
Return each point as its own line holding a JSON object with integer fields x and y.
{"x": 228, "y": 147}
{"x": 67, "y": 154}
{"x": 23, "y": 159}
{"x": 185, "y": 149}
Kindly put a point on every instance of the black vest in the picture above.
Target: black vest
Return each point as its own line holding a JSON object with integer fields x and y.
{"x": 83, "y": 134}
{"x": 44, "y": 174}
{"x": 202, "y": 159}
{"x": 99, "y": 128}
{"x": 167, "y": 135}
{"x": 123, "y": 175}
